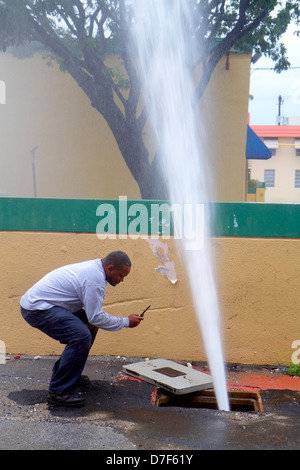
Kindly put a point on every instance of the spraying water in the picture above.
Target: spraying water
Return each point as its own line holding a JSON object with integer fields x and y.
{"x": 164, "y": 55}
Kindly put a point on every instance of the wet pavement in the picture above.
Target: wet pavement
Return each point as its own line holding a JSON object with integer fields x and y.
{"x": 119, "y": 414}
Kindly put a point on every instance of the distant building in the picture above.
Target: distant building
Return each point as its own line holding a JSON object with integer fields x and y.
{"x": 281, "y": 172}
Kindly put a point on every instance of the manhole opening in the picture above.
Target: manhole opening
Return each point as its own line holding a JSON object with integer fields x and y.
{"x": 239, "y": 400}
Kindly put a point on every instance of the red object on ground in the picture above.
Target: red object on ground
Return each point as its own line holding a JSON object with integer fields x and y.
{"x": 266, "y": 379}
{"x": 257, "y": 381}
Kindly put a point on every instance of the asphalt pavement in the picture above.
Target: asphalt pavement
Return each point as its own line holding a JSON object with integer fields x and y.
{"x": 120, "y": 418}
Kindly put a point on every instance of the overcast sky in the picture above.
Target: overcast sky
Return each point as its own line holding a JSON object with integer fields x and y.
{"x": 266, "y": 86}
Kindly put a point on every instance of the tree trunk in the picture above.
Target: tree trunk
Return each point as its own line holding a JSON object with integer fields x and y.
{"x": 149, "y": 177}
{"x": 128, "y": 135}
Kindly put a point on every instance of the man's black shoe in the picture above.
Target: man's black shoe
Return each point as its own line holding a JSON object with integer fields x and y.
{"x": 74, "y": 401}
{"x": 83, "y": 380}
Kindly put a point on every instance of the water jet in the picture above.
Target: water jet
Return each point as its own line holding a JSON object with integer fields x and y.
{"x": 164, "y": 54}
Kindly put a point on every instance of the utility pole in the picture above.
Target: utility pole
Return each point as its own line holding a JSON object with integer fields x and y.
{"x": 2, "y": 92}
{"x": 279, "y": 109}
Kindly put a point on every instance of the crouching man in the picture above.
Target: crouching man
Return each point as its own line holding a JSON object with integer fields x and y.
{"x": 67, "y": 305}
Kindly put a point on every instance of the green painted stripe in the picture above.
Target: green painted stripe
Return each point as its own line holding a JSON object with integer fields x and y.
{"x": 252, "y": 219}
{"x": 86, "y": 215}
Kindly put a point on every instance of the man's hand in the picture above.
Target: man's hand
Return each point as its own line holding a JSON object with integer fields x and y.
{"x": 134, "y": 320}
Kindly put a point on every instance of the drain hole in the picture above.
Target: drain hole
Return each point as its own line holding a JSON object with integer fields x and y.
{"x": 239, "y": 400}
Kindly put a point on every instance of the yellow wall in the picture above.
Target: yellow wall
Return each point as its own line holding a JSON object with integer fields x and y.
{"x": 77, "y": 156}
{"x": 258, "y": 196}
{"x": 258, "y": 282}
{"x": 224, "y": 111}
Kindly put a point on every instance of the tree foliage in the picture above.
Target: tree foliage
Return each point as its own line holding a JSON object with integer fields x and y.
{"x": 80, "y": 33}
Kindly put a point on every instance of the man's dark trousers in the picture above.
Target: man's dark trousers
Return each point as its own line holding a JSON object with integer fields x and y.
{"x": 70, "y": 329}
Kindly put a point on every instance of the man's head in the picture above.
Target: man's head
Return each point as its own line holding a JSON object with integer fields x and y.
{"x": 116, "y": 266}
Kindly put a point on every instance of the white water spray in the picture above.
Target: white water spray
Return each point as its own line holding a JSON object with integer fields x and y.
{"x": 164, "y": 55}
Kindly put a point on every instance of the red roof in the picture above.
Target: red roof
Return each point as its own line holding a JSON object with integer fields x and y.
{"x": 276, "y": 131}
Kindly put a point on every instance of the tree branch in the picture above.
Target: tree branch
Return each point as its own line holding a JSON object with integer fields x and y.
{"x": 219, "y": 20}
{"x": 93, "y": 19}
{"x": 237, "y": 33}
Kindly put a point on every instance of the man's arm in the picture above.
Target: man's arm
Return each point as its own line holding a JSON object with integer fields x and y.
{"x": 97, "y": 318}
{"x": 134, "y": 320}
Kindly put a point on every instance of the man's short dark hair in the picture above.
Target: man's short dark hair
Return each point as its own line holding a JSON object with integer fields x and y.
{"x": 117, "y": 259}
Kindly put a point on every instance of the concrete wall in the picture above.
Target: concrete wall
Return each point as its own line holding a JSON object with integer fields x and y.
{"x": 76, "y": 154}
{"x": 224, "y": 112}
{"x": 257, "y": 277}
